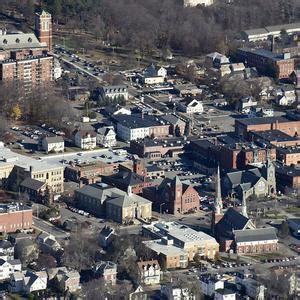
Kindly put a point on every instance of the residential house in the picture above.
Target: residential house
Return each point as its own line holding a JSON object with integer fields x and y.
{"x": 191, "y": 106}
{"x": 114, "y": 92}
{"x": 153, "y": 75}
{"x": 173, "y": 196}
{"x": 114, "y": 110}
{"x": 224, "y": 70}
{"x": 216, "y": 60}
{"x": 48, "y": 244}
{"x": 246, "y": 281}
{"x": 106, "y": 270}
{"x": 85, "y": 139}
{"x": 187, "y": 90}
{"x": 172, "y": 291}
{"x": 149, "y": 272}
{"x": 106, "y": 236}
{"x": 106, "y": 136}
{"x": 225, "y": 294}
{"x": 9, "y": 267}
{"x": 237, "y": 67}
{"x": 7, "y": 250}
{"x": 28, "y": 282}
{"x": 210, "y": 283}
{"x": 285, "y": 95}
{"x": 245, "y": 104}
{"x": 65, "y": 279}
{"x": 52, "y": 144}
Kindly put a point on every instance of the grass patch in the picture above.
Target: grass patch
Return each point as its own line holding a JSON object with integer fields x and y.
{"x": 293, "y": 210}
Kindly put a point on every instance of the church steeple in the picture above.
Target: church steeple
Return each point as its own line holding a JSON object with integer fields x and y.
{"x": 218, "y": 205}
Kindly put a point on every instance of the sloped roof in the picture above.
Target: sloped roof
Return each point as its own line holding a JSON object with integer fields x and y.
{"x": 246, "y": 176}
{"x": 32, "y": 184}
{"x": 19, "y": 41}
{"x": 128, "y": 201}
{"x": 252, "y": 235}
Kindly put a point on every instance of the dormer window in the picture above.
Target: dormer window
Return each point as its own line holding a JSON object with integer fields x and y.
{"x": 5, "y": 41}
{"x": 30, "y": 40}
{"x": 17, "y": 41}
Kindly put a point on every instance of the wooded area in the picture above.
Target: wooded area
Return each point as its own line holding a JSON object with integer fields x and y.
{"x": 162, "y": 24}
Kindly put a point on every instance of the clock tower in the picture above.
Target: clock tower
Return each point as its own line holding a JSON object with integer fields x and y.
{"x": 43, "y": 28}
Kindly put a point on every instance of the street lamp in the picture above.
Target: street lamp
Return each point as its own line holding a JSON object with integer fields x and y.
{"x": 160, "y": 206}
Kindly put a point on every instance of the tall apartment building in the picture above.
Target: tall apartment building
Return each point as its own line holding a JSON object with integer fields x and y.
{"x": 24, "y": 59}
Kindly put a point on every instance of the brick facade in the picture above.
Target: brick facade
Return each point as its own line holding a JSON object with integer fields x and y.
{"x": 12, "y": 221}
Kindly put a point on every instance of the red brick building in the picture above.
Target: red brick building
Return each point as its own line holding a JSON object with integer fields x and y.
{"x": 259, "y": 240}
{"x": 14, "y": 217}
{"x": 173, "y": 196}
{"x": 24, "y": 58}
{"x": 244, "y": 126}
{"x": 158, "y": 148}
{"x": 268, "y": 63}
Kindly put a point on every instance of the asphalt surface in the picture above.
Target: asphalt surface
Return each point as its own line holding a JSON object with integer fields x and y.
{"x": 49, "y": 228}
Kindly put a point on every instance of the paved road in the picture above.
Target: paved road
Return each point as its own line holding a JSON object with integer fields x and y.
{"x": 49, "y": 228}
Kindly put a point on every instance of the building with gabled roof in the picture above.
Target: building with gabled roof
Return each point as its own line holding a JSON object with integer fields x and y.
{"x": 173, "y": 196}
{"x": 149, "y": 272}
{"x": 255, "y": 240}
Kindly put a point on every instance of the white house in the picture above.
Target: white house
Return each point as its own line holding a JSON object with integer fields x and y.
{"x": 9, "y": 267}
{"x": 28, "y": 282}
{"x": 285, "y": 95}
{"x": 149, "y": 272}
{"x": 106, "y": 136}
{"x": 153, "y": 75}
{"x": 52, "y": 144}
{"x": 237, "y": 67}
{"x": 191, "y": 106}
{"x": 85, "y": 139}
{"x": 173, "y": 292}
{"x": 192, "y": 3}
{"x": 209, "y": 284}
{"x": 246, "y": 103}
{"x": 115, "y": 91}
{"x": 7, "y": 250}
{"x": 48, "y": 243}
{"x": 225, "y": 294}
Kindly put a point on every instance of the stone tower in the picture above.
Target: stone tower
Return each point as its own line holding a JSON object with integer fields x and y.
{"x": 270, "y": 177}
{"x": 176, "y": 188}
{"x": 43, "y": 28}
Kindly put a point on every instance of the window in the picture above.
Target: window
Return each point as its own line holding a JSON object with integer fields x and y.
{"x": 17, "y": 41}
{"x": 5, "y": 41}
{"x": 30, "y": 40}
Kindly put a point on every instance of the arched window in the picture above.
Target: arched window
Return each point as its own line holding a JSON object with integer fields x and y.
{"x": 30, "y": 40}
{"x": 17, "y": 41}
{"x": 5, "y": 41}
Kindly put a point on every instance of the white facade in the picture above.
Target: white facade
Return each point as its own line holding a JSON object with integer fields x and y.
{"x": 209, "y": 287}
{"x": 219, "y": 295}
{"x": 193, "y": 107}
{"x": 131, "y": 134}
{"x": 153, "y": 80}
{"x": 115, "y": 91}
{"x": 28, "y": 282}
{"x": 106, "y": 136}
{"x": 149, "y": 272}
{"x": 85, "y": 141}
{"x": 57, "y": 70}
{"x": 55, "y": 144}
{"x": 176, "y": 293}
{"x": 192, "y": 3}
{"x": 9, "y": 267}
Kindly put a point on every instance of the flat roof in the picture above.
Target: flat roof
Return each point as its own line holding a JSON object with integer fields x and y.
{"x": 10, "y": 158}
{"x": 160, "y": 247}
{"x": 263, "y": 120}
{"x": 274, "y": 135}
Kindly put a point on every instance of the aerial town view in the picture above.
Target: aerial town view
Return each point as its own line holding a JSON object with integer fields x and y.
{"x": 149, "y": 149}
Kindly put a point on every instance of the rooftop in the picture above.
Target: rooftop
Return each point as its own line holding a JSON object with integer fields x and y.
{"x": 13, "y": 207}
{"x": 274, "y": 136}
{"x": 258, "y": 234}
{"x": 263, "y": 120}
{"x": 159, "y": 246}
